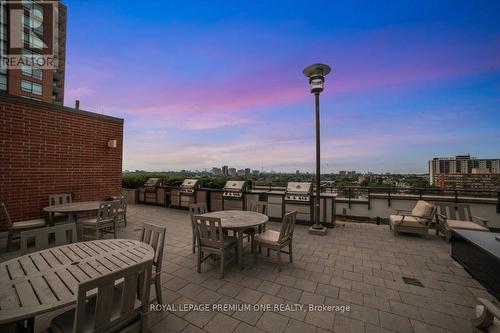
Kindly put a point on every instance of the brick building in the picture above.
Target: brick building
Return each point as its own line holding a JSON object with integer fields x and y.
{"x": 47, "y": 149}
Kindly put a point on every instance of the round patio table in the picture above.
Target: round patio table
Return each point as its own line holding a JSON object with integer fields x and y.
{"x": 47, "y": 280}
{"x": 72, "y": 209}
{"x": 239, "y": 221}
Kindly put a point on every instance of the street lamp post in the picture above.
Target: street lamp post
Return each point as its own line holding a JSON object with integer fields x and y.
{"x": 316, "y": 74}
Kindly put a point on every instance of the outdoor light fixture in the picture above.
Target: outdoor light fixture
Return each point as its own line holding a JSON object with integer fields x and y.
{"x": 112, "y": 143}
{"x": 316, "y": 74}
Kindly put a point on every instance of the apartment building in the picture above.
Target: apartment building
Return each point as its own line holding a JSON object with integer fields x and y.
{"x": 43, "y": 31}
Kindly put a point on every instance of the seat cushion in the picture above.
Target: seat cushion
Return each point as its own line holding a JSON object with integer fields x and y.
{"x": 270, "y": 237}
{"x": 64, "y": 322}
{"x": 409, "y": 221}
{"x": 467, "y": 225}
{"x": 422, "y": 209}
{"x": 28, "y": 224}
{"x": 92, "y": 220}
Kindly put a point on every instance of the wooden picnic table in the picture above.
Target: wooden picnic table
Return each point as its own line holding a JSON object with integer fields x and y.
{"x": 48, "y": 280}
{"x": 239, "y": 221}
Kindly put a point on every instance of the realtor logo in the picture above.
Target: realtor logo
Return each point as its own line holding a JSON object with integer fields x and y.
{"x": 29, "y": 34}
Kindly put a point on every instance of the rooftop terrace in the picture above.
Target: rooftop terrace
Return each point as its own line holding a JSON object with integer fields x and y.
{"x": 357, "y": 264}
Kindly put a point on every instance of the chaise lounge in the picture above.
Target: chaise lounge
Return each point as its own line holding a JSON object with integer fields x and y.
{"x": 416, "y": 221}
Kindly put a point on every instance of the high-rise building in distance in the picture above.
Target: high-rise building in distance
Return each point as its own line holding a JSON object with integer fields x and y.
{"x": 39, "y": 21}
{"x": 463, "y": 171}
{"x": 225, "y": 171}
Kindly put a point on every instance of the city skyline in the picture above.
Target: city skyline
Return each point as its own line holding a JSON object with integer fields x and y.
{"x": 224, "y": 85}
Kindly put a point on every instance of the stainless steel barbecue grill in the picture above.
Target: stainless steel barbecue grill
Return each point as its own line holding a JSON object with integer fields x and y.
{"x": 187, "y": 191}
{"x": 233, "y": 194}
{"x": 298, "y": 198}
{"x": 152, "y": 192}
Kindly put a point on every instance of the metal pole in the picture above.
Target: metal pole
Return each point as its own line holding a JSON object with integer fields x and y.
{"x": 317, "y": 224}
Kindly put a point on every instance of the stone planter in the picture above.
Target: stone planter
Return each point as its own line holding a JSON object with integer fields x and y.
{"x": 132, "y": 195}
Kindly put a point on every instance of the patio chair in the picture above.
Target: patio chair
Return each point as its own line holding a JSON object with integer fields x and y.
{"x": 487, "y": 316}
{"x": 457, "y": 216}
{"x": 16, "y": 227}
{"x": 59, "y": 199}
{"x": 196, "y": 209}
{"x": 416, "y": 221}
{"x": 114, "y": 308}
{"x": 121, "y": 211}
{"x": 154, "y": 235}
{"x": 274, "y": 240}
{"x": 104, "y": 222}
{"x": 212, "y": 240}
{"x": 62, "y": 234}
{"x": 258, "y": 207}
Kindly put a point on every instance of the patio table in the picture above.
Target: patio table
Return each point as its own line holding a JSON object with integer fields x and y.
{"x": 47, "y": 280}
{"x": 72, "y": 209}
{"x": 239, "y": 221}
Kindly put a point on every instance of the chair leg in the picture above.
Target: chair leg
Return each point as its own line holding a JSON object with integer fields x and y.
{"x": 199, "y": 260}
{"x": 96, "y": 233}
{"x": 222, "y": 264}
{"x": 254, "y": 253}
{"x": 125, "y": 219}
{"x": 9, "y": 239}
{"x": 194, "y": 241}
{"x": 290, "y": 252}
{"x": 251, "y": 242}
{"x": 159, "y": 298}
{"x": 268, "y": 252}
{"x": 279, "y": 260}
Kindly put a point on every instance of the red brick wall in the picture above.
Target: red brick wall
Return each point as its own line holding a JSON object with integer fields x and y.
{"x": 47, "y": 149}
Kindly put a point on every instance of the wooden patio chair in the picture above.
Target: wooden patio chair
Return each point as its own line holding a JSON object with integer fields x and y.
{"x": 59, "y": 199}
{"x": 104, "y": 222}
{"x": 416, "y": 221}
{"x": 258, "y": 207}
{"x": 457, "y": 216}
{"x": 121, "y": 301}
{"x": 196, "y": 209}
{"x": 121, "y": 210}
{"x": 276, "y": 241}
{"x": 16, "y": 227}
{"x": 62, "y": 234}
{"x": 211, "y": 240}
{"x": 154, "y": 235}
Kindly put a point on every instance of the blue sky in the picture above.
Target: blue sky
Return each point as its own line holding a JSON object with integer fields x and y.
{"x": 203, "y": 84}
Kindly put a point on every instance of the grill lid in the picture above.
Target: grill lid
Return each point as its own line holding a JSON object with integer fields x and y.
{"x": 235, "y": 185}
{"x": 190, "y": 183}
{"x": 152, "y": 182}
{"x": 299, "y": 187}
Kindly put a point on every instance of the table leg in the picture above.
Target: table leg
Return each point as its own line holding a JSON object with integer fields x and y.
{"x": 239, "y": 234}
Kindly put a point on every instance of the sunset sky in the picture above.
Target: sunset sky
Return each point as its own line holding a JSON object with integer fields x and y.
{"x": 212, "y": 83}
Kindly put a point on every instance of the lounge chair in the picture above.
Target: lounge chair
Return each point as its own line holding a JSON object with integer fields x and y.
{"x": 487, "y": 317}
{"x": 457, "y": 216}
{"x": 416, "y": 221}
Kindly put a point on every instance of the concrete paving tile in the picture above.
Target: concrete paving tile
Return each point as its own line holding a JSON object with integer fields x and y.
{"x": 272, "y": 322}
{"x": 221, "y": 323}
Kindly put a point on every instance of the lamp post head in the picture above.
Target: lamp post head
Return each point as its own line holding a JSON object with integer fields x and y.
{"x": 316, "y": 74}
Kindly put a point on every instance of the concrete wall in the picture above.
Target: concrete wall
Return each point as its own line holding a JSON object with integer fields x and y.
{"x": 47, "y": 149}
{"x": 379, "y": 206}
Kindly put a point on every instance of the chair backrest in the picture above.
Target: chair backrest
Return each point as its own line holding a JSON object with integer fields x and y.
{"x": 258, "y": 207}
{"x": 122, "y": 199}
{"x": 453, "y": 211}
{"x": 209, "y": 231}
{"x": 197, "y": 209}
{"x": 8, "y": 221}
{"x": 107, "y": 211}
{"x": 63, "y": 234}
{"x": 287, "y": 226}
{"x": 134, "y": 298}
{"x": 154, "y": 235}
{"x": 58, "y": 199}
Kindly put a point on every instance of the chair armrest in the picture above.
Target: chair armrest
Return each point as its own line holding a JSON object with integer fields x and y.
{"x": 403, "y": 212}
{"x": 480, "y": 219}
{"x": 489, "y": 313}
{"x": 441, "y": 217}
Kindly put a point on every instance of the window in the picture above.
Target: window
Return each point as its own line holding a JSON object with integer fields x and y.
{"x": 35, "y": 73}
{"x": 33, "y": 24}
{"x": 31, "y": 87}
{"x": 3, "y": 82}
{"x": 32, "y": 41}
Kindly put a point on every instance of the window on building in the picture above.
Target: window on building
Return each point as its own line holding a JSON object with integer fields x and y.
{"x": 32, "y": 41}
{"x": 31, "y": 87}
{"x": 29, "y": 71}
{"x": 3, "y": 83}
{"x": 33, "y": 24}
